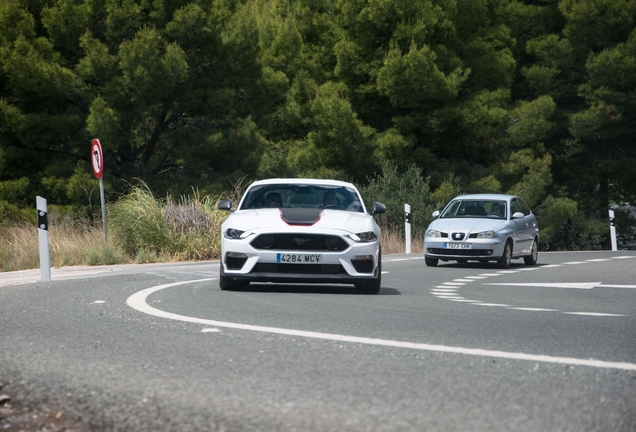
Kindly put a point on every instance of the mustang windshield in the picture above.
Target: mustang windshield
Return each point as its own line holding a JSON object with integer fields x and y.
{"x": 302, "y": 196}
{"x": 491, "y": 209}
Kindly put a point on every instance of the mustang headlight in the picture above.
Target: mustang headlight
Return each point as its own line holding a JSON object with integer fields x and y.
{"x": 234, "y": 234}
{"x": 433, "y": 233}
{"x": 365, "y": 237}
{"x": 488, "y": 235}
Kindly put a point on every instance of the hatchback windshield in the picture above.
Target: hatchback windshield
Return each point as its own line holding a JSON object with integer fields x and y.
{"x": 494, "y": 209}
{"x": 302, "y": 196}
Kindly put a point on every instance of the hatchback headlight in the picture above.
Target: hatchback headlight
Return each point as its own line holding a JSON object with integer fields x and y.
{"x": 365, "y": 237}
{"x": 433, "y": 233}
{"x": 488, "y": 235}
{"x": 235, "y": 234}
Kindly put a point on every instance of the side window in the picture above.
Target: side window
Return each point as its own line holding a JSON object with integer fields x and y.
{"x": 515, "y": 207}
{"x": 524, "y": 207}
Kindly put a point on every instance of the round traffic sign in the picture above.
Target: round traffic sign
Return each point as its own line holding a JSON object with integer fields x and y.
{"x": 97, "y": 158}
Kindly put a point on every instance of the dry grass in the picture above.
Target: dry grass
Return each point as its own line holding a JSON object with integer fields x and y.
{"x": 394, "y": 242}
{"x": 193, "y": 225}
{"x": 69, "y": 244}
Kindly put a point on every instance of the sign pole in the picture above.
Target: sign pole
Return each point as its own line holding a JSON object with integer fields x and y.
{"x": 97, "y": 159}
{"x": 101, "y": 194}
{"x": 43, "y": 238}
{"x": 407, "y": 227}
{"x": 612, "y": 230}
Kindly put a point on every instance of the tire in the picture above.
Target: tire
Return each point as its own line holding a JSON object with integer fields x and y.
{"x": 229, "y": 284}
{"x": 534, "y": 255}
{"x": 506, "y": 258}
{"x": 371, "y": 286}
{"x": 430, "y": 262}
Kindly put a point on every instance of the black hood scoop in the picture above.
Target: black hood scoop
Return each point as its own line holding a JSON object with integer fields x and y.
{"x": 300, "y": 216}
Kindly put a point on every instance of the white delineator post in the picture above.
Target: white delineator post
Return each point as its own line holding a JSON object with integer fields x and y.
{"x": 407, "y": 227}
{"x": 612, "y": 230}
{"x": 43, "y": 236}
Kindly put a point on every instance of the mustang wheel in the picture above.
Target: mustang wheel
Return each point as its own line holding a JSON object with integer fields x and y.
{"x": 371, "y": 286}
{"x": 229, "y": 284}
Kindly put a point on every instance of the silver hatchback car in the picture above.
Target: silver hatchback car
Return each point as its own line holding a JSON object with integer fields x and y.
{"x": 483, "y": 227}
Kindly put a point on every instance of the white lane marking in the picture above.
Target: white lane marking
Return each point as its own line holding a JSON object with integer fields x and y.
{"x": 490, "y": 274}
{"x": 574, "y": 263}
{"x": 210, "y": 330}
{"x": 446, "y": 287}
{"x": 551, "y": 266}
{"x": 476, "y": 277}
{"x": 463, "y": 280}
{"x": 507, "y": 271}
{"x": 403, "y": 259}
{"x": 443, "y": 290}
{"x": 577, "y": 285}
{"x": 493, "y": 304}
{"x": 534, "y": 309}
{"x": 137, "y": 301}
{"x": 596, "y": 314}
{"x": 598, "y": 260}
{"x": 529, "y": 269}
{"x": 453, "y": 283}
{"x": 623, "y": 257}
{"x": 461, "y": 299}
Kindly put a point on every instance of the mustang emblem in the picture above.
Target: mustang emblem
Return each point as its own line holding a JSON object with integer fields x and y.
{"x": 300, "y": 241}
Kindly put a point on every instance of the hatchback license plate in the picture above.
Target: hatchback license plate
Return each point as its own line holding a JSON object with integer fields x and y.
{"x": 299, "y": 258}
{"x": 457, "y": 245}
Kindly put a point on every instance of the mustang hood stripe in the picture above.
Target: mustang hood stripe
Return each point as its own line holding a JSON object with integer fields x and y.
{"x": 300, "y": 216}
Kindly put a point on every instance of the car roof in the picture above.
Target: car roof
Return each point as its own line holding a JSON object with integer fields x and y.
{"x": 490, "y": 196}
{"x": 303, "y": 181}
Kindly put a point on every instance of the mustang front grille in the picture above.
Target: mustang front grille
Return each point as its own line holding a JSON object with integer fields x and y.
{"x": 300, "y": 242}
{"x": 298, "y": 268}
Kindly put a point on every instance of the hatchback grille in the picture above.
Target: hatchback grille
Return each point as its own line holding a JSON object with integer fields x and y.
{"x": 301, "y": 242}
{"x": 462, "y": 252}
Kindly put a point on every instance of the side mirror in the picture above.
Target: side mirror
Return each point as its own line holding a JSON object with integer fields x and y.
{"x": 225, "y": 204}
{"x": 518, "y": 215}
{"x": 436, "y": 214}
{"x": 378, "y": 208}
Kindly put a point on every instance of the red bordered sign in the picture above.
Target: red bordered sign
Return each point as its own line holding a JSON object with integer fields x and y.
{"x": 97, "y": 158}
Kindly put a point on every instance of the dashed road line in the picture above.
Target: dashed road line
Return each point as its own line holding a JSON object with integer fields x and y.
{"x": 448, "y": 290}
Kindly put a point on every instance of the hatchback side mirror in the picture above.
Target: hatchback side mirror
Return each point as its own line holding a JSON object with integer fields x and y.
{"x": 436, "y": 214}
{"x": 225, "y": 204}
{"x": 518, "y": 215}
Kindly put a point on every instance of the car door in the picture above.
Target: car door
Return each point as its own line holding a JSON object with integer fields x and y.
{"x": 524, "y": 227}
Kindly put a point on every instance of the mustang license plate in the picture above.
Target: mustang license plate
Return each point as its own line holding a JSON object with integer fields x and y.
{"x": 299, "y": 258}
{"x": 457, "y": 245}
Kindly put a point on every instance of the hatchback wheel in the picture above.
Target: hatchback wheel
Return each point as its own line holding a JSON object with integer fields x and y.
{"x": 430, "y": 262}
{"x": 506, "y": 258}
{"x": 534, "y": 255}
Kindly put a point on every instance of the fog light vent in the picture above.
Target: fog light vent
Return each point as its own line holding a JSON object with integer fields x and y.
{"x": 235, "y": 261}
{"x": 363, "y": 263}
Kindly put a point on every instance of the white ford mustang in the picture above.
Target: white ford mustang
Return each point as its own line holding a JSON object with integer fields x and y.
{"x": 301, "y": 231}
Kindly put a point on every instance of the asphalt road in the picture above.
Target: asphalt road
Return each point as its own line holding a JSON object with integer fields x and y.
{"x": 457, "y": 347}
